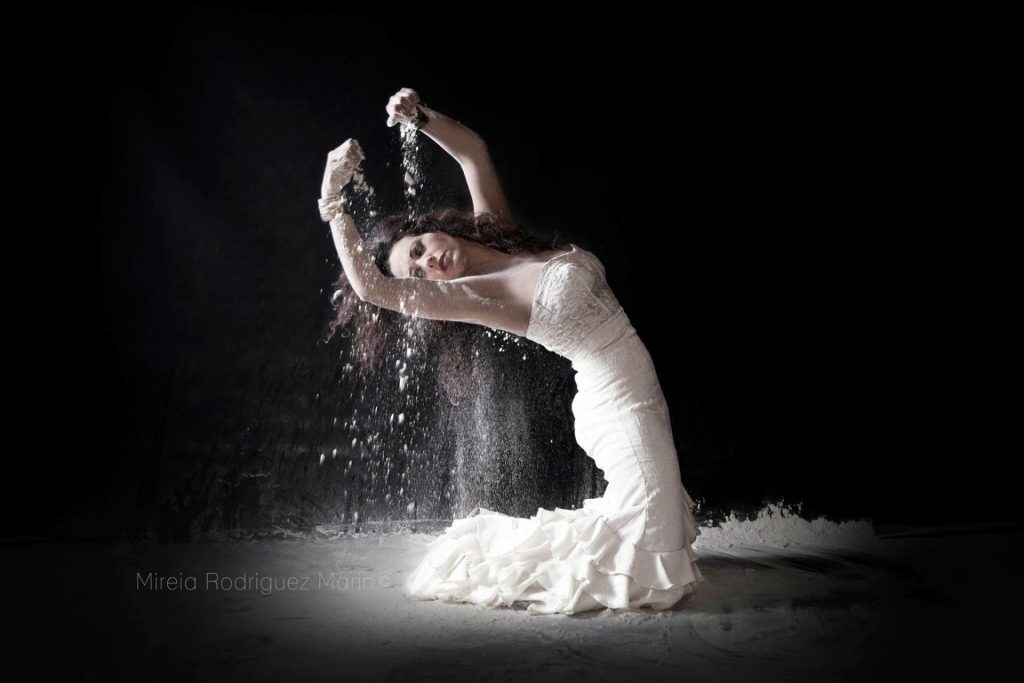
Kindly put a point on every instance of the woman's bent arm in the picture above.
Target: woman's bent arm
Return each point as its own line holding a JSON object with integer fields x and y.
{"x": 454, "y": 137}
{"x": 484, "y": 187}
{"x": 359, "y": 268}
{"x": 476, "y": 299}
{"x": 470, "y": 150}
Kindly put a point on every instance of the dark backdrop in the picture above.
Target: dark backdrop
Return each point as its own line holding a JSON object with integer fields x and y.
{"x": 794, "y": 230}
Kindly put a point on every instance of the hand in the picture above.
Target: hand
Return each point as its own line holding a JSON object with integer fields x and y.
{"x": 342, "y": 163}
{"x": 403, "y": 107}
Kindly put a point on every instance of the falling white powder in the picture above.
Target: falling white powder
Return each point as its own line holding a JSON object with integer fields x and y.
{"x": 472, "y": 294}
{"x": 413, "y": 175}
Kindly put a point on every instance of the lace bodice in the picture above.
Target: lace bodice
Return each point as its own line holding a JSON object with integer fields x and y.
{"x": 571, "y": 302}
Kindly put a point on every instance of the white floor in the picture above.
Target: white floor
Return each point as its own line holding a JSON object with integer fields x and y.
{"x": 783, "y": 599}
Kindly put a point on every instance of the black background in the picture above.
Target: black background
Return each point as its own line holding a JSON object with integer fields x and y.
{"x": 801, "y": 226}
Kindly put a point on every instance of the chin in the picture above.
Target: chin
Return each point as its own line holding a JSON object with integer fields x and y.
{"x": 455, "y": 269}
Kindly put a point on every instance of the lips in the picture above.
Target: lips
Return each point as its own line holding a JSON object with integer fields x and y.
{"x": 444, "y": 261}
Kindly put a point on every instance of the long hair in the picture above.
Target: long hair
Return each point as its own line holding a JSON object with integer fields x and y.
{"x": 456, "y": 343}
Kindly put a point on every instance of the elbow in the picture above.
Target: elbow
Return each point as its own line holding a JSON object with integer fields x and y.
{"x": 369, "y": 285}
{"x": 361, "y": 285}
{"x": 354, "y": 286}
{"x": 362, "y": 294}
{"x": 372, "y": 296}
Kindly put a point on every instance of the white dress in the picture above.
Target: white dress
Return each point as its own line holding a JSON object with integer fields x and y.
{"x": 631, "y": 547}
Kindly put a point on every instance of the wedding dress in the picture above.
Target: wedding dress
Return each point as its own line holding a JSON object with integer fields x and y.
{"x": 627, "y": 549}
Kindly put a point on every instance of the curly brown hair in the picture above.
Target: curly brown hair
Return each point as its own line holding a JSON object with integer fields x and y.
{"x": 456, "y": 343}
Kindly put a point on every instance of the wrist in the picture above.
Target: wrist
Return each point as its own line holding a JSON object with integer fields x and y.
{"x": 424, "y": 115}
{"x": 330, "y": 206}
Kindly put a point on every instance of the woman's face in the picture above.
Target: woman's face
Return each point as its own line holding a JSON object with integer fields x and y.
{"x": 432, "y": 256}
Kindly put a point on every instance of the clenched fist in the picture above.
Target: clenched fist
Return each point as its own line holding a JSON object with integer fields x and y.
{"x": 342, "y": 163}
{"x": 403, "y": 107}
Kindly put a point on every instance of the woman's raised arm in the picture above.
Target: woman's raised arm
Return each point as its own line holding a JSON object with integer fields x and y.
{"x": 462, "y": 143}
{"x": 481, "y": 299}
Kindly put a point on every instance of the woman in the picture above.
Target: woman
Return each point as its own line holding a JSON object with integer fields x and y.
{"x": 630, "y": 548}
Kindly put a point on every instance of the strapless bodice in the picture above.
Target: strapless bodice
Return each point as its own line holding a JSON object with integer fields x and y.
{"x": 572, "y": 304}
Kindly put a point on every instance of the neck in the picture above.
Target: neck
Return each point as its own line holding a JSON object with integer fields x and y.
{"x": 483, "y": 259}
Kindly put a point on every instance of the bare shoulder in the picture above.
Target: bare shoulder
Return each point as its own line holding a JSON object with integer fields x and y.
{"x": 513, "y": 286}
{"x": 516, "y": 281}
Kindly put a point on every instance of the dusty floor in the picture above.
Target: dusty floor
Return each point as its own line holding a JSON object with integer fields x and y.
{"x": 941, "y": 603}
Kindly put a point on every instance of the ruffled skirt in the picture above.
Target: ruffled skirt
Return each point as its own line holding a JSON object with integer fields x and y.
{"x": 631, "y": 548}
{"x": 560, "y": 561}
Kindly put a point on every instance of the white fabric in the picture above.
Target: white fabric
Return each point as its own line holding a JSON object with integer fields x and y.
{"x": 629, "y": 548}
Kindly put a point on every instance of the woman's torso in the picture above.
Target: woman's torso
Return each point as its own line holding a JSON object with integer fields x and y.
{"x": 560, "y": 299}
{"x": 518, "y": 285}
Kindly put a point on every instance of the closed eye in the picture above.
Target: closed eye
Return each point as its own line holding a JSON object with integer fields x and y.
{"x": 414, "y": 253}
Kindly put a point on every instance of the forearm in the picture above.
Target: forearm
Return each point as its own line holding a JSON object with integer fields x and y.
{"x": 355, "y": 259}
{"x": 458, "y": 140}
